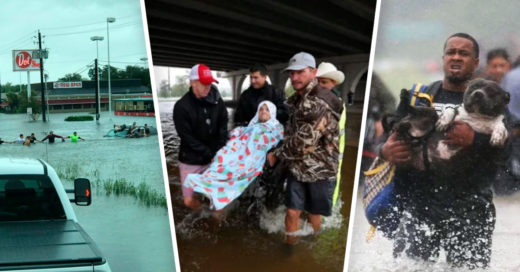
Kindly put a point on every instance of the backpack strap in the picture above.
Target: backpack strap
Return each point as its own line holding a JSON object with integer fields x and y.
{"x": 419, "y": 91}
{"x": 434, "y": 88}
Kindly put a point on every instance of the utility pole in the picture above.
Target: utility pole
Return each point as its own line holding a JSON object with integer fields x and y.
{"x": 42, "y": 87}
{"x": 97, "y": 88}
{"x": 109, "y": 20}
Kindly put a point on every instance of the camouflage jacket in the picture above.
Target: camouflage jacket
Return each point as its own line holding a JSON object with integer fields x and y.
{"x": 310, "y": 145}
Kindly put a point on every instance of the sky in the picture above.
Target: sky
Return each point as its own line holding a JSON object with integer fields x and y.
{"x": 66, "y": 27}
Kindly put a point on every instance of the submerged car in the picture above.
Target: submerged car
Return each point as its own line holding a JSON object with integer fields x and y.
{"x": 124, "y": 131}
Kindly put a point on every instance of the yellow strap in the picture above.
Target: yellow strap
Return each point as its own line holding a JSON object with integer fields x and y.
{"x": 415, "y": 91}
{"x": 371, "y": 233}
{"x": 426, "y": 96}
{"x": 376, "y": 170}
{"x": 392, "y": 172}
{"x": 342, "y": 138}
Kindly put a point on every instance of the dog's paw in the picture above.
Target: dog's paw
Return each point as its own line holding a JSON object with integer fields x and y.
{"x": 445, "y": 120}
{"x": 499, "y": 136}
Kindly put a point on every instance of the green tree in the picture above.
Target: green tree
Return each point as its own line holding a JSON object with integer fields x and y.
{"x": 19, "y": 103}
{"x": 130, "y": 72}
{"x": 180, "y": 87}
{"x": 70, "y": 77}
{"x": 164, "y": 89}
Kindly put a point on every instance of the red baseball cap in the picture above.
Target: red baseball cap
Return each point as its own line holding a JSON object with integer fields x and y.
{"x": 202, "y": 73}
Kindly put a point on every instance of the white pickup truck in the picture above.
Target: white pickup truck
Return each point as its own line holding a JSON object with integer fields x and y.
{"x": 39, "y": 230}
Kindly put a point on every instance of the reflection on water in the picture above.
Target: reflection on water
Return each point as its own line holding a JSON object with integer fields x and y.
{"x": 251, "y": 238}
{"x": 131, "y": 235}
{"x": 376, "y": 255}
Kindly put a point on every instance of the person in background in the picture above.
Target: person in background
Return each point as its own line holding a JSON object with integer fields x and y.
{"x": 329, "y": 77}
{"x": 74, "y": 137}
{"x": 497, "y": 64}
{"x": 146, "y": 130}
{"x": 51, "y": 137}
{"x": 20, "y": 139}
{"x": 33, "y": 138}
{"x": 381, "y": 103}
{"x": 27, "y": 141}
{"x": 200, "y": 119}
{"x": 259, "y": 90}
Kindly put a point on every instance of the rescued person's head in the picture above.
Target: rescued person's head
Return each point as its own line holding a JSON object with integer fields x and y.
{"x": 258, "y": 75}
{"x": 265, "y": 113}
{"x": 302, "y": 70}
{"x": 200, "y": 80}
{"x": 497, "y": 64}
{"x": 460, "y": 58}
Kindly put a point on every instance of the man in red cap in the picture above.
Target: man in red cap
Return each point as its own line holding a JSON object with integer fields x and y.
{"x": 200, "y": 119}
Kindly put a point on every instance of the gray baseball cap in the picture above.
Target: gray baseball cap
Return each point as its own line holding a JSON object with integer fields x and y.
{"x": 301, "y": 61}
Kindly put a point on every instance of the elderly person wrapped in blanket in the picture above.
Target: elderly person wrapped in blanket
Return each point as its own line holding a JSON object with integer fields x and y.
{"x": 241, "y": 160}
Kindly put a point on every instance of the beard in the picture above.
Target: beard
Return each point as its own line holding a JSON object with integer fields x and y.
{"x": 458, "y": 79}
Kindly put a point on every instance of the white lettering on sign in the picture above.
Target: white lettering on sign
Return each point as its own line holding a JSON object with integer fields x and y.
{"x": 68, "y": 85}
{"x": 23, "y": 60}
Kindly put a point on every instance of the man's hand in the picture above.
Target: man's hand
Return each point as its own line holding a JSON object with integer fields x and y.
{"x": 396, "y": 151}
{"x": 460, "y": 134}
{"x": 271, "y": 159}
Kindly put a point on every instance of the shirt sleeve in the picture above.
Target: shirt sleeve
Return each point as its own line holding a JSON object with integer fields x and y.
{"x": 305, "y": 138}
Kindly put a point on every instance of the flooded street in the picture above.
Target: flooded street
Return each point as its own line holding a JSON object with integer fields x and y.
{"x": 252, "y": 237}
{"x": 376, "y": 255}
{"x": 132, "y": 231}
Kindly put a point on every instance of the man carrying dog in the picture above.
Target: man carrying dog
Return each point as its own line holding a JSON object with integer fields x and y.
{"x": 310, "y": 146}
{"x": 452, "y": 210}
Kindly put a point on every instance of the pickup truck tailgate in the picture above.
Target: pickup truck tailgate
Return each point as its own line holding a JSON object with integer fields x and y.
{"x": 46, "y": 244}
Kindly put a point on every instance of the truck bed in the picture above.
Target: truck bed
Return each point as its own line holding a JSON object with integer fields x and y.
{"x": 46, "y": 244}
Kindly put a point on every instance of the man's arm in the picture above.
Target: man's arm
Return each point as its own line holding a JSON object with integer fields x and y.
{"x": 282, "y": 114}
{"x": 183, "y": 128}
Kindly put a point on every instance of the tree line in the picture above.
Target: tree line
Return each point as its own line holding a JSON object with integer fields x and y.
{"x": 16, "y": 94}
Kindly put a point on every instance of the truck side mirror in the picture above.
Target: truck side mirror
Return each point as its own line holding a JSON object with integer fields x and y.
{"x": 82, "y": 192}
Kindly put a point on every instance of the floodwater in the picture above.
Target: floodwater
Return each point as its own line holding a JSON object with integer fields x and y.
{"x": 131, "y": 235}
{"x": 252, "y": 238}
{"x": 376, "y": 255}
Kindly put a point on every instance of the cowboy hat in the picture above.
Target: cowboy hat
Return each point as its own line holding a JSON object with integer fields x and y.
{"x": 328, "y": 70}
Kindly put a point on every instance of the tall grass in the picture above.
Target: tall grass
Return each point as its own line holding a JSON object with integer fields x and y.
{"x": 118, "y": 186}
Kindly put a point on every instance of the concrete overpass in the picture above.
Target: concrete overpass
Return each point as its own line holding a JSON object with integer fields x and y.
{"x": 232, "y": 35}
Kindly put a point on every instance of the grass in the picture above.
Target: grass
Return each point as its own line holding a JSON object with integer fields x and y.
{"x": 79, "y": 118}
{"x": 119, "y": 187}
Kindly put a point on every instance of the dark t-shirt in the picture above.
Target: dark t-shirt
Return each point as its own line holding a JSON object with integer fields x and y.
{"x": 51, "y": 138}
{"x": 445, "y": 98}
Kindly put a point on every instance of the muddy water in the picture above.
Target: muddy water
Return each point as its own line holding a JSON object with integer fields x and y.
{"x": 131, "y": 235}
{"x": 251, "y": 238}
{"x": 376, "y": 255}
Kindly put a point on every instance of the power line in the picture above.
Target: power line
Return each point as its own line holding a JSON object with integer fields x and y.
{"x": 93, "y": 30}
{"x": 86, "y": 24}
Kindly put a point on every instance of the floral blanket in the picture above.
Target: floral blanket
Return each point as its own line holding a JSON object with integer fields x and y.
{"x": 237, "y": 164}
